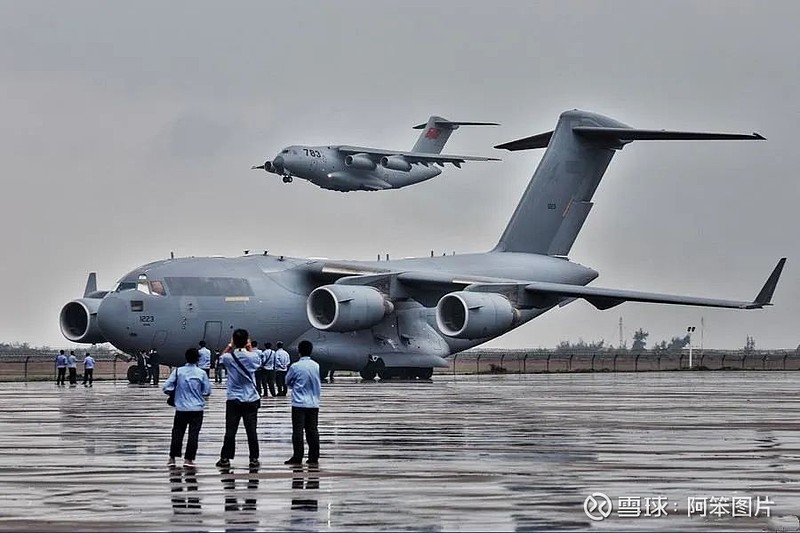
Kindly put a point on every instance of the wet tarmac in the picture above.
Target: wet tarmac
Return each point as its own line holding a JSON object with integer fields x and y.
{"x": 515, "y": 452}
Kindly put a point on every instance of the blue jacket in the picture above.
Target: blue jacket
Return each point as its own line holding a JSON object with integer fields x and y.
{"x": 303, "y": 378}
{"x": 191, "y": 386}
{"x": 241, "y": 386}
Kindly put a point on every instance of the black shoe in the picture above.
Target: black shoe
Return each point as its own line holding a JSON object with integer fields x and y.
{"x": 224, "y": 463}
{"x": 313, "y": 462}
{"x": 293, "y": 461}
{"x": 255, "y": 463}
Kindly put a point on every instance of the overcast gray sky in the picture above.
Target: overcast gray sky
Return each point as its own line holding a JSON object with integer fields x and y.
{"x": 128, "y": 130}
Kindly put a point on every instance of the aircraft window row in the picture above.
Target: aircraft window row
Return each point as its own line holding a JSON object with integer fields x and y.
{"x": 208, "y": 286}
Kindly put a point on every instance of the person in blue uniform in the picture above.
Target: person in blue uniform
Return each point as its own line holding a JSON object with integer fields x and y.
{"x": 205, "y": 358}
{"x": 72, "y": 367}
{"x": 281, "y": 367}
{"x": 303, "y": 379}
{"x": 243, "y": 400}
{"x": 191, "y": 387}
{"x": 88, "y": 370}
{"x": 61, "y": 367}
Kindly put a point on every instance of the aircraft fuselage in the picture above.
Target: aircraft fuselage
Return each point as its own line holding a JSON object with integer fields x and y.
{"x": 328, "y": 168}
{"x": 171, "y": 305}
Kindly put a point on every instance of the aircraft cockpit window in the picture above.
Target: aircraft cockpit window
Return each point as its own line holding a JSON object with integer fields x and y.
{"x": 284, "y": 151}
{"x": 142, "y": 285}
{"x": 125, "y": 286}
{"x": 157, "y": 288}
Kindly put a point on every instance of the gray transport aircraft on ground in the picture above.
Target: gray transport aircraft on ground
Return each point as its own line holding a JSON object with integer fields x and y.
{"x": 355, "y": 168}
{"x": 391, "y": 318}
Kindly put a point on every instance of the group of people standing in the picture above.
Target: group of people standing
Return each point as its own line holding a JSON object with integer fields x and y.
{"x": 190, "y": 385}
{"x": 271, "y": 374}
{"x": 69, "y": 363}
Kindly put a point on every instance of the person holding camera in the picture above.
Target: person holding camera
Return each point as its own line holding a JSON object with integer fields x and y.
{"x": 189, "y": 387}
{"x": 243, "y": 399}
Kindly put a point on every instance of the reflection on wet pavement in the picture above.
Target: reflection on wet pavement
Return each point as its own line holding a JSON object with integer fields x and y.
{"x": 470, "y": 453}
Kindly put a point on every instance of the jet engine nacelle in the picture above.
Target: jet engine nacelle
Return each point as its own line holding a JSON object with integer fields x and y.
{"x": 346, "y": 307}
{"x": 474, "y": 315}
{"x": 395, "y": 162}
{"x": 78, "y": 321}
{"x": 360, "y": 161}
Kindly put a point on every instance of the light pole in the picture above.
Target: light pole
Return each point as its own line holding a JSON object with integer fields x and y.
{"x": 689, "y": 331}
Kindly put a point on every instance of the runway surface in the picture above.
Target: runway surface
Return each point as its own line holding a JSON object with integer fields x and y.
{"x": 465, "y": 453}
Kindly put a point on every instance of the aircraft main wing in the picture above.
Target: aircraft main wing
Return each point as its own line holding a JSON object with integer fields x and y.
{"x": 545, "y": 294}
{"x": 413, "y": 157}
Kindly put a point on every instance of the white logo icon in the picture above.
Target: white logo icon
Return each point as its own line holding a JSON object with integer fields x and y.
{"x": 597, "y": 506}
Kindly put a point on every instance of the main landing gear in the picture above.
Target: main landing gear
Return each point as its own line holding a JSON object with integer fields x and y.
{"x": 377, "y": 368}
{"x": 133, "y": 374}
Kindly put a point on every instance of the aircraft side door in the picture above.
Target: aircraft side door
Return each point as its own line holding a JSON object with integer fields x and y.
{"x": 212, "y": 335}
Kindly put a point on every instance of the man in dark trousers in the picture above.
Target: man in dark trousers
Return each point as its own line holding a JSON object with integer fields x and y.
{"x": 88, "y": 370}
{"x": 61, "y": 367}
{"x": 268, "y": 365}
{"x": 72, "y": 366}
{"x": 155, "y": 370}
{"x": 243, "y": 400}
{"x": 141, "y": 367}
{"x": 281, "y": 367}
{"x": 303, "y": 379}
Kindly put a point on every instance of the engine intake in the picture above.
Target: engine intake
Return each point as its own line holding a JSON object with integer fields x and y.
{"x": 346, "y": 307}
{"x": 360, "y": 161}
{"x": 78, "y": 321}
{"x": 395, "y": 162}
{"x": 474, "y": 315}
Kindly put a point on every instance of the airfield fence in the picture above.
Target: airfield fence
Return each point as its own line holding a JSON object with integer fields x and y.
{"x": 549, "y": 361}
{"x": 109, "y": 366}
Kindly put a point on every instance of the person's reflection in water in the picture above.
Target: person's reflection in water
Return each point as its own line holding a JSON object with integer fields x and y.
{"x": 304, "y": 509}
{"x": 184, "y": 490}
{"x": 244, "y": 512}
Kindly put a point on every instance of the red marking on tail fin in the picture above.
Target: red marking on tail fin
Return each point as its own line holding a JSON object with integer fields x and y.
{"x": 432, "y": 133}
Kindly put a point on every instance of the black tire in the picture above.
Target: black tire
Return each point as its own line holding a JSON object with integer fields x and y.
{"x": 133, "y": 374}
{"x": 388, "y": 373}
{"x": 424, "y": 373}
{"x": 369, "y": 372}
{"x": 324, "y": 370}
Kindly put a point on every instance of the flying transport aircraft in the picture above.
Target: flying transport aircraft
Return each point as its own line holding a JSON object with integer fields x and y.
{"x": 355, "y": 168}
{"x": 391, "y": 318}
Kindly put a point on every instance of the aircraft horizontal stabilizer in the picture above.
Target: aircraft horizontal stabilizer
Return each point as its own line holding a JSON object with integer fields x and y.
{"x": 444, "y": 123}
{"x": 617, "y": 137}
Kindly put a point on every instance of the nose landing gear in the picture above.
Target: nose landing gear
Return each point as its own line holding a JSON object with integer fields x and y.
{"x": 287, "y": 179}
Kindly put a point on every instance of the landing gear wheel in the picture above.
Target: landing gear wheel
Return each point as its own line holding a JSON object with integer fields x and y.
{"x": 424, "y": 373}
{"x": 287, "y": 179}
{"x": 324, "y": 370}
{"x": 133, "y": 374}
{"x": 369, "y": 372}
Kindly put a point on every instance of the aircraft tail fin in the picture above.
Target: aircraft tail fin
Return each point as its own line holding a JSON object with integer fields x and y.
{"x": 558, "y": 199}
{"x": 436, "y": 131}
{"x": 91, "y": 284}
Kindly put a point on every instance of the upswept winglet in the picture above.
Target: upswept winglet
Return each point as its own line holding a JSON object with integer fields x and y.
{"x": 765, "y": 294}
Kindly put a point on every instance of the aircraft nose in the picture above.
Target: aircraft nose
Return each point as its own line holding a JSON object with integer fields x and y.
{"x": 112, "y": 318}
